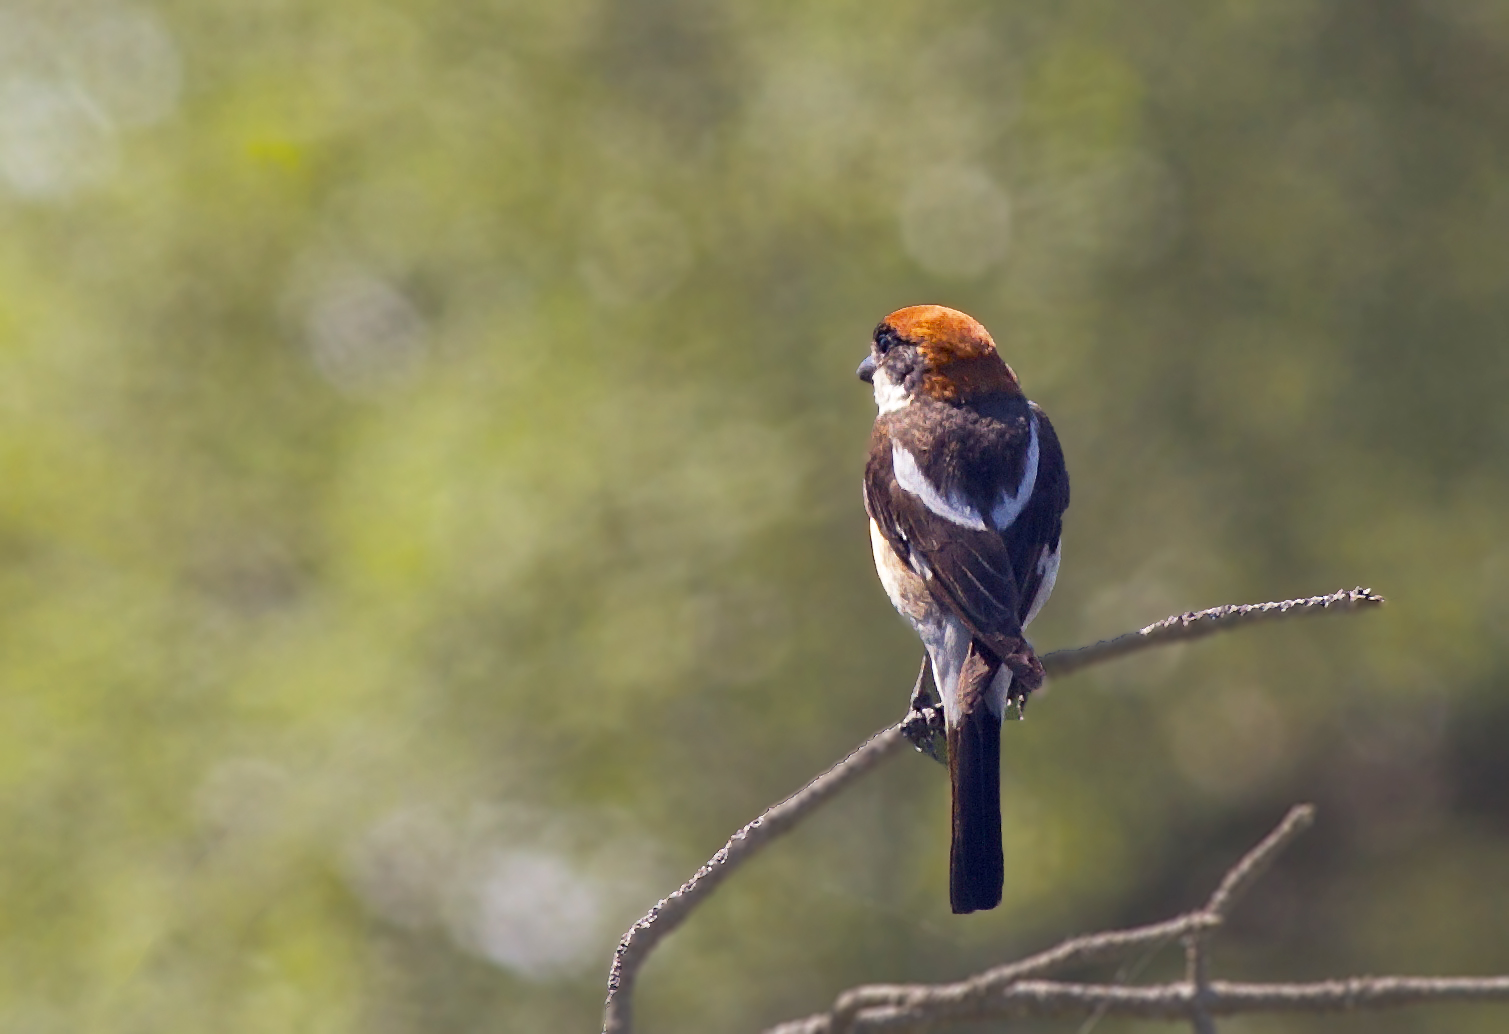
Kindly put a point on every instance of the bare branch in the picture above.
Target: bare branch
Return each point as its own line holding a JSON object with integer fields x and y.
{"x": 1234, "y": 885}
{"x": 672, "y": 911}
{"x": 1091, "y": 947}
{"x": 1240, "y": 878}
{"x": 1076, "y": 951}
{"x": 1199, "y": 623}
{"x": 1175, "y": 1002}
{"x": 1197, "y": 973}
{"x": 1009, "y": 992}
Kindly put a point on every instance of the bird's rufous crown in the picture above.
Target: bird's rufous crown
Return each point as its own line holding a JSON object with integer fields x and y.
{"x": 960, "y": 356}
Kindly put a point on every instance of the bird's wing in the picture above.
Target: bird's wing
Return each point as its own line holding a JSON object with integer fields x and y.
{"x": 1032, "y": 539}
{"x": 966, "y": 565}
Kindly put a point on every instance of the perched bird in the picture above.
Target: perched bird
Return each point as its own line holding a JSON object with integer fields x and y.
{"x": 966, "y": 490}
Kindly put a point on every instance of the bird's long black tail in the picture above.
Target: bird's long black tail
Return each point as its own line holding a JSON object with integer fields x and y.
{"x": 976, "y": 866}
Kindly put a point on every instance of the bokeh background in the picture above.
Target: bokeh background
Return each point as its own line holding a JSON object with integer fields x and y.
{"x": 430, "y": 515}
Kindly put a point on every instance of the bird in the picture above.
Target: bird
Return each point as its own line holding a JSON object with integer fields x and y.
{"x": 965, "y": 487}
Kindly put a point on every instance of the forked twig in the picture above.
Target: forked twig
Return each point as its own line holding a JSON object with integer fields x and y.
{"x": 670, "y": 912}
{"x": 1238, "y": 880}
{"x": 1014, "y": 990}
{"x": 1173, "y": 1002}
{"x": 966, "y": 997}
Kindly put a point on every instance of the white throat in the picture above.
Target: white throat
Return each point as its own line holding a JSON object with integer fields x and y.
{"x": 889, "y": 396}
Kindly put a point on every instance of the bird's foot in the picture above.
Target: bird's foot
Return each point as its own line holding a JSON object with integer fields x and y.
{"x": 924, "y": 728}
{"x": 1026, "y": 675}
{"x": 1026, "y": 670}
{"x": 923, "y": 724}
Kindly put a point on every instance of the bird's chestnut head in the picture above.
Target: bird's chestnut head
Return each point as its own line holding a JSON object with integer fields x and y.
{"x": 935, "y": 352}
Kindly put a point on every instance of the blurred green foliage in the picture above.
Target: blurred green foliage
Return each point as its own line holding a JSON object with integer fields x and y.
{"x": 430, "y": 515}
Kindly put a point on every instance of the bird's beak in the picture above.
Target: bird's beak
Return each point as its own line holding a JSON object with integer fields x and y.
{"x": 866, "y": 371}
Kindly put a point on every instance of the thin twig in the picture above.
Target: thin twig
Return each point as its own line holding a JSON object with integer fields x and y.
{"x": 671, "y": 912}
{"x": 1199, "y": 623}
{"x": 1076, "y": 951}
{"x": 1126, "y": 972}
{"x": 966, "y": 997}
{"x": 1238, "y": 880}
{"x": 1008, "y": 992}
{"x": 1175, "y": 1002}
{"x": 1197, "y": 975}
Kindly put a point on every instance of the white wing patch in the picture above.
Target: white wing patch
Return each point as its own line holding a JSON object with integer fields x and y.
{"x": 1011, "y": 504}
{"x": 1047, "y": 566}
{"x": 951, "y": 507}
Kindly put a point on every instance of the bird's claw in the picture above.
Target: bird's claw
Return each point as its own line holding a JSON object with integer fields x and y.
{"x": 1026, "y": 670}
{"x": 923, "y": 727}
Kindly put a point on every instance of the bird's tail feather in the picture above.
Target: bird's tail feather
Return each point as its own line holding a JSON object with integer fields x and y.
{"x": 977, "y": 868}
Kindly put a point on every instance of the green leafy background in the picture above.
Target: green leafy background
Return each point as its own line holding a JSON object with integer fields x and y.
{"x": 430, "y": 518}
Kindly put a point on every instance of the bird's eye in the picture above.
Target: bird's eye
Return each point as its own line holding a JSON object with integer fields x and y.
{"x": 885, "y": 338}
